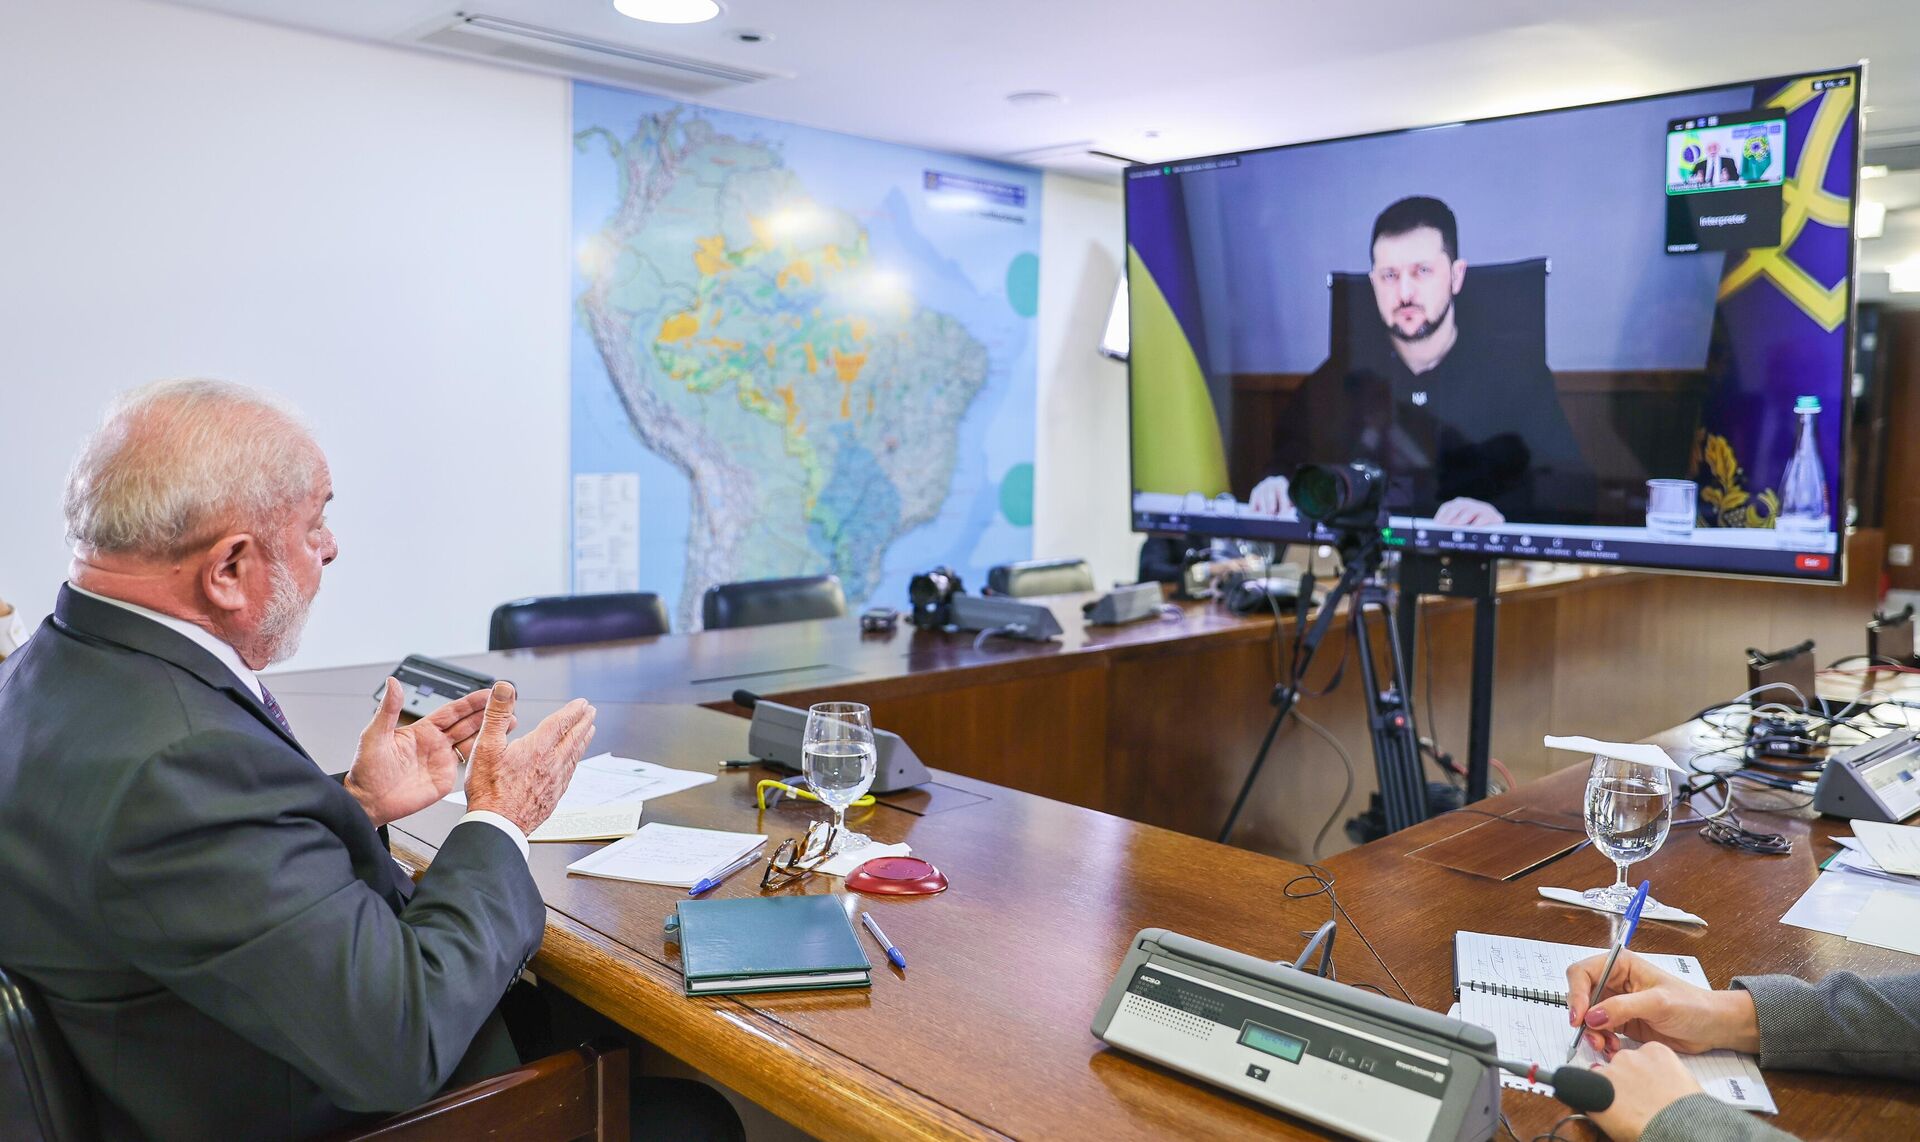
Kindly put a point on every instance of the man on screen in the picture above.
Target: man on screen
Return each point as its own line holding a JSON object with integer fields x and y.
{"x": 1716, "y": 169}
{"x": 1464, "y": 419}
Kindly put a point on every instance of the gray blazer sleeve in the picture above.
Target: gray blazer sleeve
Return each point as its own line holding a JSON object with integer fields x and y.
{"x": 221, "y": 878}
{"x": 1844, "y": 1023}
{"x": 1703, "y": 1118}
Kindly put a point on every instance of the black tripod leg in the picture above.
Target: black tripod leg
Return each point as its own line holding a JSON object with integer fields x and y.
{"x": 1285, "y": 696}
{"x": 1396, "y": 741}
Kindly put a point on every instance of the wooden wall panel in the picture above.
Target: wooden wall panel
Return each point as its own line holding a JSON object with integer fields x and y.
{"x": 1163, "y": 730}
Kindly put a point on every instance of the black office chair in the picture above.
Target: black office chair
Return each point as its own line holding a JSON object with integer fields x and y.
{"x": 574, "y": 1095}
{"x": 559, "y": 620}
{"x": 43, "y": 1097}
{"x": 763, "y": 601}
{"x": 1040, "y": 577}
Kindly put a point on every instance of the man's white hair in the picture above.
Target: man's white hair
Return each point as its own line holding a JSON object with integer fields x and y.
{"x": 179, "y": 463}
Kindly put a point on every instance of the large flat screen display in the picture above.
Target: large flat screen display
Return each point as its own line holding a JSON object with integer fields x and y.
{"x": 1616, "y": 333}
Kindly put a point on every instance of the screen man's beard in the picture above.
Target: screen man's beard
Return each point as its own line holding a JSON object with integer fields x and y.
{"x": 1425, "y": 329}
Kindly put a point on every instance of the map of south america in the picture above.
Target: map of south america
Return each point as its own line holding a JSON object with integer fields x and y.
{"x": 757, "y": 345}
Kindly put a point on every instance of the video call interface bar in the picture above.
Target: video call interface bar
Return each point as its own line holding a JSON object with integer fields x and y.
{"x": 1627, "y": 547}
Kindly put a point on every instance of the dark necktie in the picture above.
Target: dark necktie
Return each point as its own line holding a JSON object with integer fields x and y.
{"x": 273, "y": 709}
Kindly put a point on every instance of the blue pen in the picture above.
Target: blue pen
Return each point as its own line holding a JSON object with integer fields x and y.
{"x": 894, "y": 955}
{"x": 1606, "y": 973}
{"x": 713, "y": 879}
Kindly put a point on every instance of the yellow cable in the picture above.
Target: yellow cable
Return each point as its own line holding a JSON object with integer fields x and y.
{"x": 760, "y": 794}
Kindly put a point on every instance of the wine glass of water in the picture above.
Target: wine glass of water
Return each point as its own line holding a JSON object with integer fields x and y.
{"x": 837, "y": 756}
{"x": 1629, "y": 810}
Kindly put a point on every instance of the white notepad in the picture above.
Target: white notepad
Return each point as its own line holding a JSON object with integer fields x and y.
{"x": 1537, "y": 969}
{"x": 604, "y": 779}
{"x": 1517, "y": 989}
{"x": 599, "y": 823}
{"x": 667, "y": 854}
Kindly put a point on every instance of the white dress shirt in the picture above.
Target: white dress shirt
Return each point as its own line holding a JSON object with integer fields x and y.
{"x": 229, "y": 658}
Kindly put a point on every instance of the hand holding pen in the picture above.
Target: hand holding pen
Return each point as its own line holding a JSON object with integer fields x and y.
{"x": 1648, "y": 1005}
{"x": 1626, "y": 934}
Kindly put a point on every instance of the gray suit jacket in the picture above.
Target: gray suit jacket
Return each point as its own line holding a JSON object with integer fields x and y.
{"x": 219, "y": 931}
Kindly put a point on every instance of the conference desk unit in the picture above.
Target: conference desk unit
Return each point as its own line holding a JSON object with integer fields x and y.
{"x": 1157, "y": 721}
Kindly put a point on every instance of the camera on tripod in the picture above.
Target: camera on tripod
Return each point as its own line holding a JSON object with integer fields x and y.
{"x": 1345, "y": 497}
{"x": 1350, "y": 500}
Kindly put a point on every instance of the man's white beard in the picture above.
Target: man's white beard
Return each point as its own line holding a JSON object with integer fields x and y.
{"x": 286, "y": 615}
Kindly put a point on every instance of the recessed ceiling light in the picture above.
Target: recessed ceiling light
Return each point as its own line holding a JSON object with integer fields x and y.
{"x": 668, "y": 11}
{"x": 1036, "y": 98}
{"x": 1878, "y": 170}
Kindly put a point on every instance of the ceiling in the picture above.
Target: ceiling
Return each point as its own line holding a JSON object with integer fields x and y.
{"x": 1151, "y": 80}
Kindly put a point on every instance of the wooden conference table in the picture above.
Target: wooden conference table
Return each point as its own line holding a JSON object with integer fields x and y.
{"x": 987, "y": 1036}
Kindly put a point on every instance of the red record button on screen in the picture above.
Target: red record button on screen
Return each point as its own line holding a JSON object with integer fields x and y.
{"x": 1812, "y": 562}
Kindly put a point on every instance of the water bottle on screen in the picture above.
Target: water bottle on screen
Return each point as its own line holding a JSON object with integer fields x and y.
{"x": 1803, "y": 490}
{"x": 838, "y": 758}
{"x": 1629, "y": 810}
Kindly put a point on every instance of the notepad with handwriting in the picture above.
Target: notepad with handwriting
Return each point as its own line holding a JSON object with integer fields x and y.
{"x": 1537, "y": 969}
{"x": 1517, "y": 989}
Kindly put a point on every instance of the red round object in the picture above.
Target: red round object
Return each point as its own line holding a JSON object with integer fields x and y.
{"x": 897, "y": 876}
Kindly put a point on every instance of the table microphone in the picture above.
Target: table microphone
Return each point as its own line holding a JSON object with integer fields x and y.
{"x": 1578, "y": 1087}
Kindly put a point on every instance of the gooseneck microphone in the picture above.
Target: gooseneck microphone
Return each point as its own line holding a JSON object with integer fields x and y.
{"x": 1578, "y": 1087}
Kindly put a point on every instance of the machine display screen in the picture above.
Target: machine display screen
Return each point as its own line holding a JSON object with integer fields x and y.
{"x": 1276, "y": 1043}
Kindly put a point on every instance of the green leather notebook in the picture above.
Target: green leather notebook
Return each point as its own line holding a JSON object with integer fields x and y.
{"x": 769, "y": 943}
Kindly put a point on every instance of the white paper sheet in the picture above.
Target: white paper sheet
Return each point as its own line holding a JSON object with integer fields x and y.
{"x": 1855, "y": 860}
{"x": 667, "y": 854}
{"x": 1639, "y": 752}
{"x": 599, "y": 823}
{"x": 1530, "y": 1031}
{"x": 1832, "y": 902}
{"x": 604, "y": 779}
{"x": 606, "y": 532}
{"x": 1890, "y": 919}
{"x": 1895, "y": 848}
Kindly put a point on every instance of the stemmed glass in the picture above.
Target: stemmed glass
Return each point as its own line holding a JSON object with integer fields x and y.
{"x": 837, "y": 755}
{"x": 1629, "y": 810}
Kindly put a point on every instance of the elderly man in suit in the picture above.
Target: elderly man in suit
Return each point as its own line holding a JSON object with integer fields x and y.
{"x": 220, "y": 932}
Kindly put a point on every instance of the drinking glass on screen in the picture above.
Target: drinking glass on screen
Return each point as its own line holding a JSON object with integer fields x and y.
{"x": 1670, "y": 507}
{"x": 1629, "y": 809}
{"x": 837, "y": 755}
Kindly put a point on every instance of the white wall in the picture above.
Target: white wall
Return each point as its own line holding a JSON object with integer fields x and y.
{"x": 377, "y": 234}
{"x": 1080, "y": 457}
{"x": 381, "y": 236}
